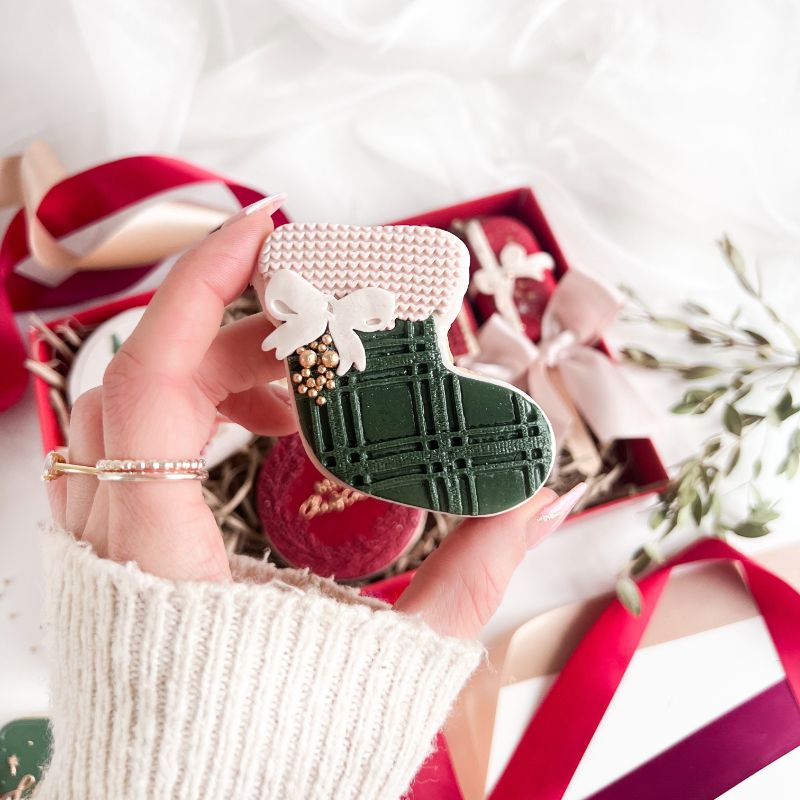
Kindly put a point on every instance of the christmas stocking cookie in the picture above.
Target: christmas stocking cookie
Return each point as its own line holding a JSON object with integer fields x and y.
{"x": 361, "y": 316}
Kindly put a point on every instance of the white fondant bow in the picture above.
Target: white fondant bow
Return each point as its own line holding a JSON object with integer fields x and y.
{"x": 580, "y": 309}
{"x": 497, "y": 277}
{"x": 304, "y": 313}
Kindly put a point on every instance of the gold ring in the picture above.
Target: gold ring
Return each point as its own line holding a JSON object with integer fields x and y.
{"x": 127, "y": 469}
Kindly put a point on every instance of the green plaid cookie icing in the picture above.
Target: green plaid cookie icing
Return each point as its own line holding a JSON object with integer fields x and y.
{"x": 361, "y": 314}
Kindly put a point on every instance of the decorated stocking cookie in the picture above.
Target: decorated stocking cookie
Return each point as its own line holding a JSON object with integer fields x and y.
{"x": 361, "y": 316}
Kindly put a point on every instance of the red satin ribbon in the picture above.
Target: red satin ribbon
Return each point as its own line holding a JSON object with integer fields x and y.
{"x": 556, "y": 739}
{"x": 74, "y": 203}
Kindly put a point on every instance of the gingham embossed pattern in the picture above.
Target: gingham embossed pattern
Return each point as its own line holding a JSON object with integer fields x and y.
{"x": 410, "y": 430}
{"x": 427, "y": 269}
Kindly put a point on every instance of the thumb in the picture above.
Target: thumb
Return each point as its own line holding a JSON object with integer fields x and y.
{"x": 461, "y": 584}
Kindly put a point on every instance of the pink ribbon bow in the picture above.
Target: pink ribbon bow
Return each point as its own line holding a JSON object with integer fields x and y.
{"x": 578, "y": 313}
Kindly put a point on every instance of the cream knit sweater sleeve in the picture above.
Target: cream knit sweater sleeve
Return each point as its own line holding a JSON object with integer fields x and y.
{"x": 275, "y": 685}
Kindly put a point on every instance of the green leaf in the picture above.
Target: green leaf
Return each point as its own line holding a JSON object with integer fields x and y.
{"x": 696, "y": 308}
{"x": 757, "y": 337}
{"x": 732, "y": 420}
{"x": 670, "y": 323}
{"x": 733, "y": 460}
{"x": 698, "y": 395}
{"x": 640, "y": 357}
{"x": 750, "y": 530}
{"x": 629, "y": 595}
{"x": 750, "y": 419}
{"x": 715, "y": 506}
{"x": 656, "y": 518}
{"x": 733, "y": 256}
{"x": 764, "y": 512}
{"x": 712, "y": 446}
{"x": 790, "y": 465}
{"x": 697, "y": 509}
{"x": 698, "y": 337}
{"x": 641, "y": 561}
{"x": 684, "y": 407}
{"x": 699, "y": 371}
{"x": 784, "y": 408}
{"x": 743, "y": 392}
{"x": 653, "y": 551}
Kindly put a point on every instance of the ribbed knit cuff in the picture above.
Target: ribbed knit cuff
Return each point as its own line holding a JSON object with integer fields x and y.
{"x": 276, "y": 685}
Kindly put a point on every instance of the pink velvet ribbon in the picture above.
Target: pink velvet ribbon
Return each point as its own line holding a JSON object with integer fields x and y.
{"x": 556, "y": 739}
{"x": 578, "y": 313}
{"x": 54, "y": 207}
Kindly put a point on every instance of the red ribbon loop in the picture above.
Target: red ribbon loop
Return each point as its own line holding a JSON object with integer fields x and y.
{"x": 76, "y": 202}
{"x": 550, "y": 750}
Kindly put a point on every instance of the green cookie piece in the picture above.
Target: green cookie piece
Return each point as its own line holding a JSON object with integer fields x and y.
{"x": 410, "y": 430}
{"x": 24, "y": 751}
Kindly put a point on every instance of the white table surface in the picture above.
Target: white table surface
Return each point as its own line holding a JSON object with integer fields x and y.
{"x": 665, "y": 124}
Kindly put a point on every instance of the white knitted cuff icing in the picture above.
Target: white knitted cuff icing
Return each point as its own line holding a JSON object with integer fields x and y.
{"x": 278, "y": 685}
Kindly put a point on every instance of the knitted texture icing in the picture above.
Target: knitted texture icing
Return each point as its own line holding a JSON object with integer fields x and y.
{"x": 427, "y": 269}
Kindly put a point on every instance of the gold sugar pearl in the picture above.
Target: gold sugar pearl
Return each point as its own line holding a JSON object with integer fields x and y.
{"x": 299, "y": 350}
{"x": 305, "y": 373}
{"x": 314, "y": 345}
{"x": 323, "y": 507}
{"x": 297, "y": 377}
{"x": 330, "y": 358}
{"x": 322, "y": 369}
{"x": 311, "y": 383}
{"x": 312, "y": 393}
{"x": 327, "y": 339}
{"x": 308, "y": 358}
{"x": 321, "y": 401}
{"x": 320, "y": 380}
{"x": 329, "y": 384}
{"x": 302, "y": 388}
{"x": 330, "y": 375}
{"x": 322, "y": 348}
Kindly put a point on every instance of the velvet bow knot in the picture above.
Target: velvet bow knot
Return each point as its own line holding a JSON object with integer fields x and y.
{"x": 578, "y": 313}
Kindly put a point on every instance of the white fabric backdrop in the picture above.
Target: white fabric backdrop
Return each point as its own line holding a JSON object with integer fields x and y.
{"x": 646, "y": 128}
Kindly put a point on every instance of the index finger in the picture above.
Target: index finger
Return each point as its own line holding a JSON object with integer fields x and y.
{"x": 184, "y": 316}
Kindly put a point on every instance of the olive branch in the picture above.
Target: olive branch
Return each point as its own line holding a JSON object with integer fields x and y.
{"x": 767, "y": 360}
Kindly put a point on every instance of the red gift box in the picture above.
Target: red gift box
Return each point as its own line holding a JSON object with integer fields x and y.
{"x": 645, "y": 469}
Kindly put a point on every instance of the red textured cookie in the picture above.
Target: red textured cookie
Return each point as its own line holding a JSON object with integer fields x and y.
{"x": 461, "y": 336}
{"x": 530, "y": 294}
{"x": 304, "y": 528}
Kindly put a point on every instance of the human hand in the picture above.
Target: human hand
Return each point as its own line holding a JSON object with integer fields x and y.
{"x": 159, "y": 399}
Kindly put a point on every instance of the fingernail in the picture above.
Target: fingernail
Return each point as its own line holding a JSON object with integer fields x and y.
{"x": 271, "y": 203}
{"x": 561, "y": 506}
{"x": 282, "y": 393}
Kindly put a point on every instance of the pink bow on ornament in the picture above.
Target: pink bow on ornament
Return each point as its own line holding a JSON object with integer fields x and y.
{"x": 578, "y": 313}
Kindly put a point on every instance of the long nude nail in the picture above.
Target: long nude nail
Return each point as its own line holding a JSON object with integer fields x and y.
{"x": 271, "y": 203}
{"x": 561, "y": 506}
{"x": 553, "y": 514}
{"x": 282, "y": 392}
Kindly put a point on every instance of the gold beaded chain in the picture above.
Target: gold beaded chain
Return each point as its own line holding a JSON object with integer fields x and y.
{"x": 329, "y": 497}
{"x": 318, "y": 356}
